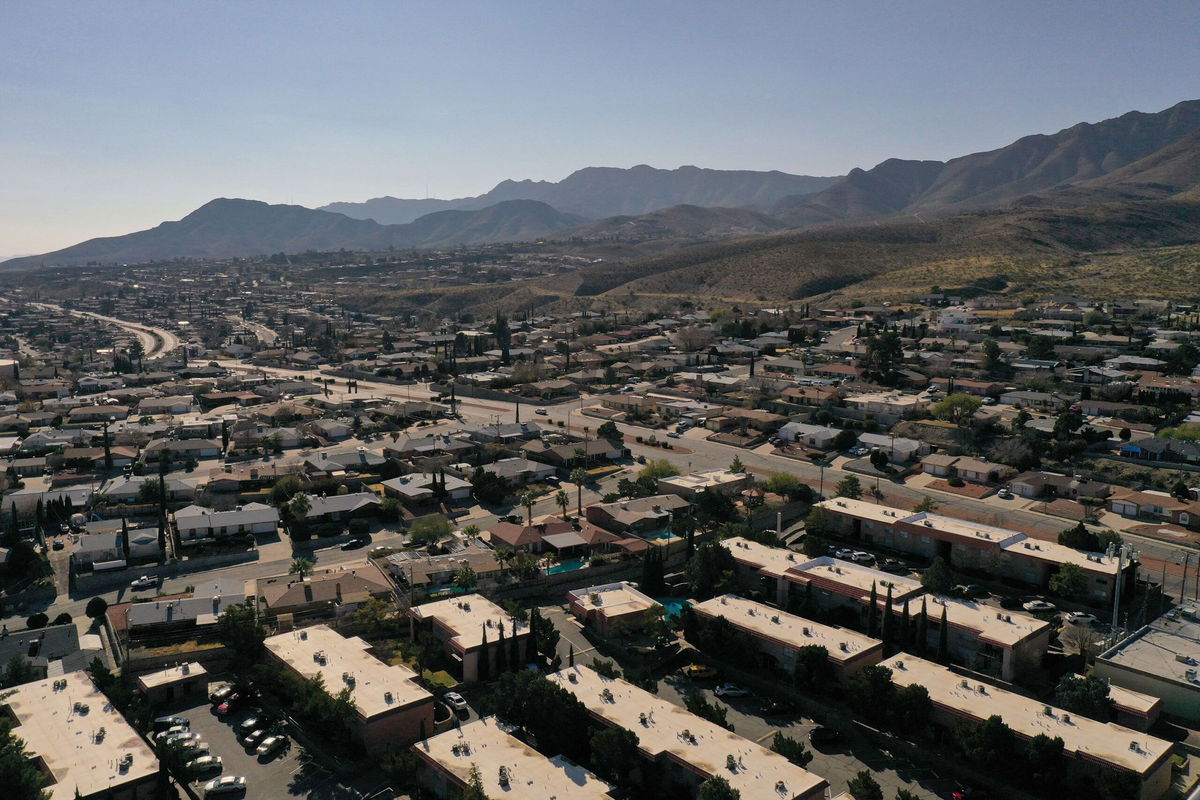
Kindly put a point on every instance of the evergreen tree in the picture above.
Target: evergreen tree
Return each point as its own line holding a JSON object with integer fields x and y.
{"x": 905, "y": 627}
{"x": 501, "y": 653}
{"x": 922, "y": 642}
{"x": 887, "y": 619}
{"x": 514, "y": 655}
{"x": 873, "y": 611}
{"x": 571, "y": 656}
{"x": 943, "y": 651}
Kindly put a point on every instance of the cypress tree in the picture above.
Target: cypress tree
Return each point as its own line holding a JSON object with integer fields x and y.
{"x": 905, "y": 628}
{"x": 571, "y": 656}
{"x": 887, "y": 619}
{"x": 535, "y": 624}
{"x": 501, "y": 653}
{"x": 922, "y": 643}
{"x": 809, "y": 609}
{"x": 514, "y": 656}
{"x": 485, "y": 658}
{"x": 873, "y": 611}
{"x": 943, "y": 651}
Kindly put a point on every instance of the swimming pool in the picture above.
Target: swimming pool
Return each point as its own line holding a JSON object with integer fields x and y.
{"x": 663, "y": 535}
{"x": 673, "y": 605}
{"x": 566, "y": 566}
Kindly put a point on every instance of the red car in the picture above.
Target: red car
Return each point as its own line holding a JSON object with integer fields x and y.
{"x": 228, "y": 705}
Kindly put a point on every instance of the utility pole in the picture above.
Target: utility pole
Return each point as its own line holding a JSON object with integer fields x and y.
{"x": 1121, "y": 553}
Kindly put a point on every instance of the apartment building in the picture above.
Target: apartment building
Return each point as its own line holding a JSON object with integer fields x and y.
{"x": 688, "y": 748}
{"x": 1092, "y": 743}
{"x": 469, "y": 629}
{"x": 392, "y": 707}
{"x": 779, "y": 635}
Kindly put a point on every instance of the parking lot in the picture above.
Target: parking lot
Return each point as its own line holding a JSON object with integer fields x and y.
{"x": 290, "y": 773}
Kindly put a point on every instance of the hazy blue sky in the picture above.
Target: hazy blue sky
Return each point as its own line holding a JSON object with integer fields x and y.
{"x": 116, "y": 116}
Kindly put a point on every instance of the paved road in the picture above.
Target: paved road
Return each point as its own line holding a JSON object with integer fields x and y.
{"x": 155, "y": 341}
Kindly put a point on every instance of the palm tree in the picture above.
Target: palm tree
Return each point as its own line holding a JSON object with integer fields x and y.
{"x": 299, "y": 505}
{"x": 579, "y": 477}
{"x": 561, "y": 499}
{"x": 301, "y": 567}
{"x": 527, "y": 499}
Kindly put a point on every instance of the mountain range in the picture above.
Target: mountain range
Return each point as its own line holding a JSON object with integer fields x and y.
{"x": 598, "y": 192}
{"x": 1133, "y": 158}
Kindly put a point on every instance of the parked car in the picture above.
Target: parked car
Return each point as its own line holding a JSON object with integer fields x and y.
{"x": 205, "y": 764}
{"x": 860, "y": 450}
{"x": 844, "y": 553}
{"x": 144, "y": 582}
{"x": 1011, "y": 603}
{"x": 194, "y": 749}
{"x": 892, "y": 565}
{"x": 356, "y": 542}
{"x": 780, "y": 708}
{"x": 822, "y": 736}
{"x": 229, "y": 704}
{"x": 1080, "y": 618}
{"x": 730, "y": 690}
{"x": 455, "y": 701}
{"x": 513, "y": 518}
{"x": 863, "y": 557}
{"x": 229, "y": 784}
{"x": 540, "y": 410}
{"x": 180, "y": 738}
{"x": 1005, "y": 493}
{"x": 220, "y": 694}
{"x": 270, "y": 746}
{"x": 252, "y": 739}
{"x": 672, "y": 435}
{"x": 248, "y": 724}
{"x": 57, "y": 545}
{"x": 1038, "y": 605}
{"x": 164, "y": 723}
{"x": 699, "y": 672}
{"x": 167, "y": 733}
{"x": 975, "y": 591}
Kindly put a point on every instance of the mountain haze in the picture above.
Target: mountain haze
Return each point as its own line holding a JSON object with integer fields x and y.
{"x": 1030, "y": 165}
{"x": 225, "y": 228}
{"x": 597, "y": 192}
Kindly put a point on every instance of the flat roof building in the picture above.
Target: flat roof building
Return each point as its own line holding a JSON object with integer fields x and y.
{"x": 83, "y": 745}
{"x": 1104, "y": 744}
{"x": 1161, "y": 659}
{"x": 780, "y": 635}
{"x": 690, "y": 749}
{"x": 999, "y": 552}
{"x": 468, "y": 626}
{"x": 612, "y": 604}
{"x": 692, "y": 485}
{"x": 506, "y": 765}
{"x": 391, "y": 705}
{"x": 179, "y": 682}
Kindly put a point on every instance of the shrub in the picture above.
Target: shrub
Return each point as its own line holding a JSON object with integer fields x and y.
{"x": 956, "y": 481}
{"x": 329, "y": 529}
{"x": 37, "y": 620}
{"x": 358, "y": 527}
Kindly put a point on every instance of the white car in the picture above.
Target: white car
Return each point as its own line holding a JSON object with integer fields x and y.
{"x": 729, "y": 690}
{"x": 1038, "y": 605}
{"x": 144, "y": 582}
{"x": 844, "y": 554}
{"x": 271, "y": 745}
{"x": 541, "y": 411}
{"x": 1080, "y": 618}
{"x": 863, "y": 558}
{"x": 455, "y": 701}
{"x": 672, "y": 435}
{"x": 226, "y": 785}
{"x": 174, "y": 730}
{"x": 205, "y": 764}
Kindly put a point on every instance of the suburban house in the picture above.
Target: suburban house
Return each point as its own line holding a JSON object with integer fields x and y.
{"x": 198, "y": 522}
{"x": 1054, "y": 484}
{"x": 336, "y": 592}
{"x": 1154, "y": 505}
{"x": 422, "y": 487}
{"x": 976, "y": 470}
{"x": 817, "y": 437}
{"x": 567, "y": 538}
{"x": 639, "y": 516}
{"x": 342, "y": 506}
{"x": 520, "y": 471}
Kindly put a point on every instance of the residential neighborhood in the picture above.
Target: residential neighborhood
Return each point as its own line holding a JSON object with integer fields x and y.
{"x": 792, "y": 551}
